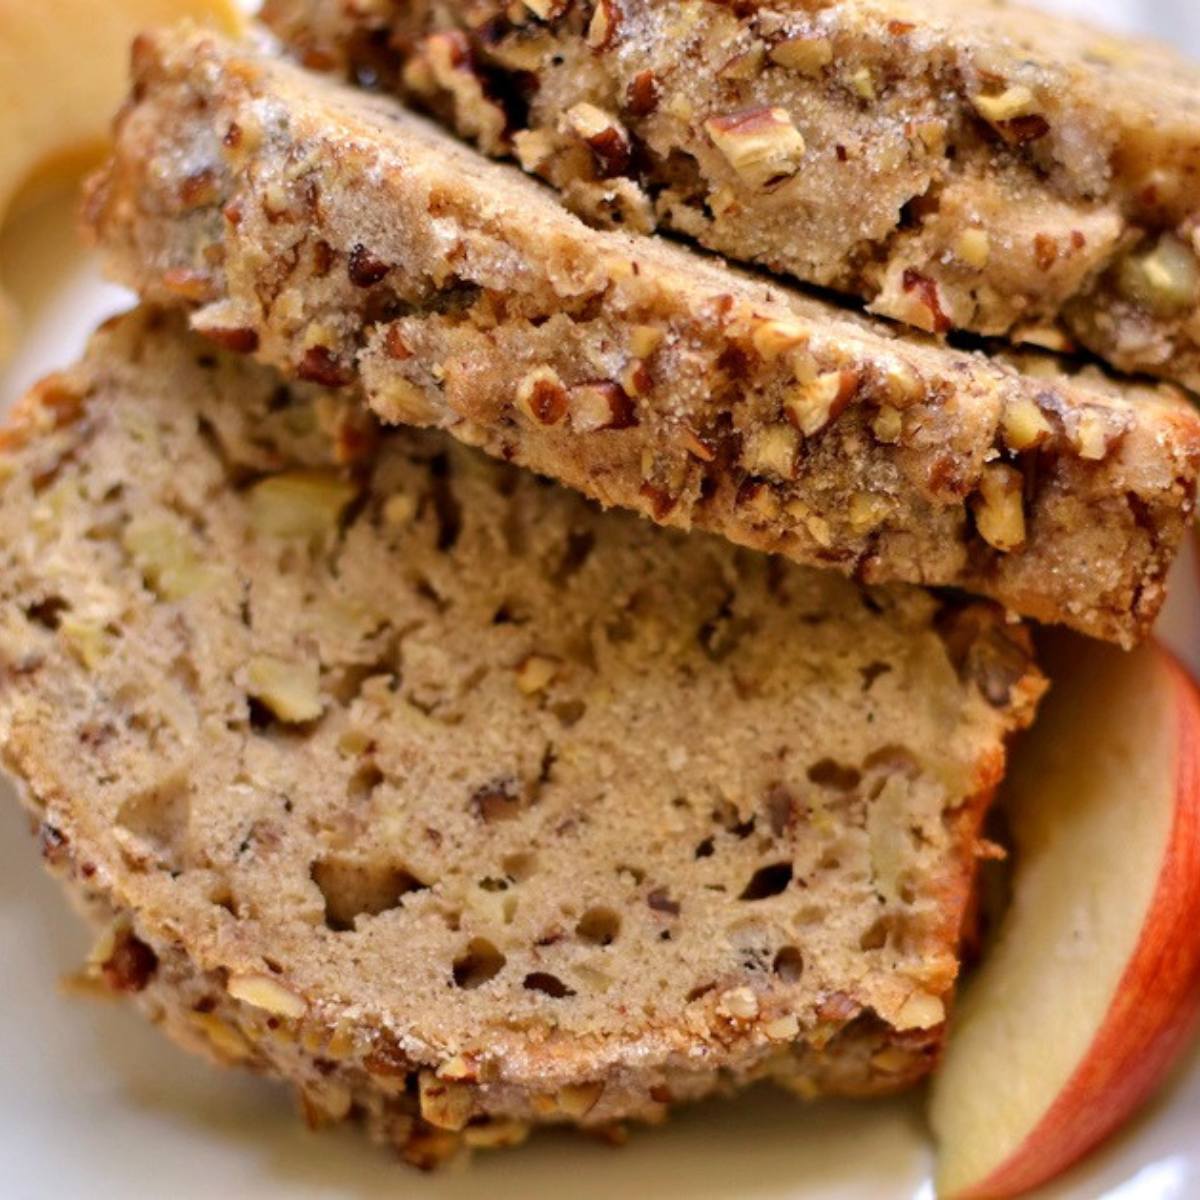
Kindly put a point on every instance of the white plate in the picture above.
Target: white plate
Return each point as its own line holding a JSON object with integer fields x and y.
{"x": 94, "y": 1103}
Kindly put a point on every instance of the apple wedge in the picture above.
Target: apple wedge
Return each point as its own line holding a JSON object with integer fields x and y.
{"x": 63, "y": 71}
{"x": 1092, "y": 987}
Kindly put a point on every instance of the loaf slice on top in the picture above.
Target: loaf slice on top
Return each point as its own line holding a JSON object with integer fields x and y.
{"x": 417, "y": 781}
{"x": 343, "y": 239}
{"x": 959, "y": 165}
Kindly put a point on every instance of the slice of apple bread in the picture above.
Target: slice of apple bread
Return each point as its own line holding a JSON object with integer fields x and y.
{"x": 419, "y": 782}
{"x": 342, "y": 239}
{"x": 958, "y": 165}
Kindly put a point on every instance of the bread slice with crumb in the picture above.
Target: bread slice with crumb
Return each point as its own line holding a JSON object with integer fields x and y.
{"x": 343, "y": 239}
{"x": 417, "y": 781}
{"x": 957, "y": 165}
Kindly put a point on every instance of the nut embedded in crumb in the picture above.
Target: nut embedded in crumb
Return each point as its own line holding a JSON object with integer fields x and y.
{"x": 444, "y": 61}
{"x": 1165, "y": 280}
{"x": 302, "y": 503}
{"x": 892, "y": 1059}
{"x": 163, "y": 550}
{"x": 783, "y": 1029}
{"x": 1015, "y": 101}
{"x": 225, "y": 1039}
{"x": 88, "y": 640}
{"x": 496, "y": 1134}
{"x": 739, "y": 1003}
{"x": 577, "y": 1100}
{"x": 545, "y": 10}
{"x": 920, "y": 1011}
{"x": 536, "y": 673}
{"x": 261, "y": 991}
{"x": 902, "y": 383}
{"x": 291, "y": 690}
{"x": 862, "y": 83}
{"x": 399, "y": 510}
{"x": 973, "y": 247}
{"x": 458, "y": 1069}
{"x": 400, "y": 400}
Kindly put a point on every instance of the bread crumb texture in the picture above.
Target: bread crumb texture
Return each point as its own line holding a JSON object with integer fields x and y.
{"x": 417, "y": 781}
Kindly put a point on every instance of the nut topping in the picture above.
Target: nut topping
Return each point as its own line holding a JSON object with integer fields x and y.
{"x": 444, "y": 62}
{"x": 999, "y": 513}
{"x": 644, "y": 340}
{"x": 641, "y": 96}
{"x": 542, "y": 397}
{"x": 364, "y": 269}
{"x": 808, "y": 55}
{"x": 603, "y": 26}
{"x": 760, "y": 144}
{"x": 774, "y": 338}
{"x": 866, "y": 512}
{"x": 1092, "y": 436}
{"x": 888, "y": 425}
{"x": 1024, "y": 425}
{"x": 810, "y": 406}
{"x": 746, "y": 65}
{"x": 599, "y": 405}
{"x": 446, "y": 1104}
{"x": 604, "y": 135}
{"x": 772, "y": 451}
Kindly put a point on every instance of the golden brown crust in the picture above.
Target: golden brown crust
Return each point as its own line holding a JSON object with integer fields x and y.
{"x": 382, "y": 759}
{"x": 339, "y": 239}
{"x": 1012, "y": 173}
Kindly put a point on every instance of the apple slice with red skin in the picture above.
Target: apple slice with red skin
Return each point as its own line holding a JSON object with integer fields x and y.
{"x": 1092, "y": 988}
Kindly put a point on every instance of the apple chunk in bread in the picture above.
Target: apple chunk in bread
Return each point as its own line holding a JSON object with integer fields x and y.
{"x": 1093, "y": 985}
{"x": 63, "y": 66}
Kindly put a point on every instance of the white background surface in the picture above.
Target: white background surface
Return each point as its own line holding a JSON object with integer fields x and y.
{"x": 94, "y": 1104}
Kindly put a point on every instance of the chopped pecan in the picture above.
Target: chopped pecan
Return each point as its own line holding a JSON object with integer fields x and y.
{"x": 761, "y": 144}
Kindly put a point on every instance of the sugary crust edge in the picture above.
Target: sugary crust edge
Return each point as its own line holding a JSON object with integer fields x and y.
{"x": 1155, "y": 462}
